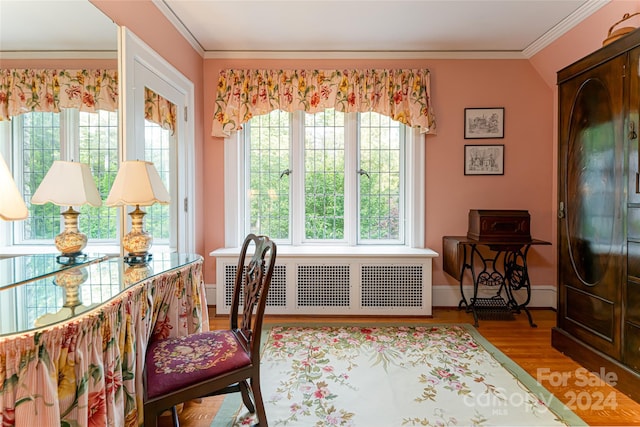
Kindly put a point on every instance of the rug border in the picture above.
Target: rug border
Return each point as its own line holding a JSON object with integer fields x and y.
{"x": 232, "y": 402}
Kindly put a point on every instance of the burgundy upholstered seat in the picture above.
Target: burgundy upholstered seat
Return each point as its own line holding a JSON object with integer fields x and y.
{"x": 180, "y": 362}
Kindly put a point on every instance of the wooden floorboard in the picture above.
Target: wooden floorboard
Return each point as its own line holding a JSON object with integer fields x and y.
{"x": 597, "y": 403}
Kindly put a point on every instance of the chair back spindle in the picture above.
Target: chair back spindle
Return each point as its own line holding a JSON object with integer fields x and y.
{"x": 253, "y": 278}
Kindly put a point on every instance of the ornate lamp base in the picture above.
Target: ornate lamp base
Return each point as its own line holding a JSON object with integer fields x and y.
{"x": 71, "y": 241}
{"x": 137, "y": 242}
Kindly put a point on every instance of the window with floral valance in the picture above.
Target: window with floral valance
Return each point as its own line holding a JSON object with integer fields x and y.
{"x": 402, "y": 94}
{"x": 49, "y": 90}
{"x": 55, "y": 114}
{"x": 159, "y": 110}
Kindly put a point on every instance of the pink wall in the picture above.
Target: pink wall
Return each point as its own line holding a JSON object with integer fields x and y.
{"x": 456, "y": 84}
{"x": 525, "y": 88}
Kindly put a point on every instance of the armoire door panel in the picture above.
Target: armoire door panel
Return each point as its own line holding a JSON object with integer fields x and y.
{"x": 633, "y": 256}
{"x": 633, "y": 133}
{"x": 590, "y": 183}
{"x": 592, "y": 244}
{"x": 632, "y": 346}
{"x": 633, "y": 224}
{"x": 633, "y": 299}
{"x": 591, "y": 313}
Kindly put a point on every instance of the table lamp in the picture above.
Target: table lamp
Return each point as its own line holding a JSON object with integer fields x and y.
{"x": 12, "y": 207}
{"x": 68, "y": 184}
{"x": 137, "y": 184}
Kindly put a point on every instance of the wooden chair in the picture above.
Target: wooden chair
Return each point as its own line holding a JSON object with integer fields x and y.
{"x": 216, "y": 362}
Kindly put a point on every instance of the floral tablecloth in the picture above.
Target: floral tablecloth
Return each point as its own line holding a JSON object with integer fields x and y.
{"x": 88, "y": 372}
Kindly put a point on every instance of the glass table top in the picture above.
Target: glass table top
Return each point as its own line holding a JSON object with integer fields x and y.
{"x": 18, "y": 270}
{"x": 41, "y": 297}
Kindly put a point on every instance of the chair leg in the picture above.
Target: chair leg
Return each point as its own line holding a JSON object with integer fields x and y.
{"x": 246, "y": 397}
{"x": 174, "y": 415}
{"x": 257, "y": 397}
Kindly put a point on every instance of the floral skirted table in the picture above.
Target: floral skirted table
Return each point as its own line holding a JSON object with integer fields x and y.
{"x": 72, "y": 344}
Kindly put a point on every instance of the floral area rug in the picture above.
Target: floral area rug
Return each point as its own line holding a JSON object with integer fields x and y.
{"x": 393, "y": 376}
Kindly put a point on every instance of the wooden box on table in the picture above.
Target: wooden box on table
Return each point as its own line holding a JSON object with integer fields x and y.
{"x": 499, "y": 225}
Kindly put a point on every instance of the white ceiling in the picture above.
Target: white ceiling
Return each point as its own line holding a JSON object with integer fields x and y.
{"x": 371, "y": 25}
{"x": 219, "y": 27}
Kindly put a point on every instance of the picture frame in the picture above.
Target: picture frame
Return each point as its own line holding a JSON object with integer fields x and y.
{"x": 484, "y": 159}
{"x": 483, "y": 123}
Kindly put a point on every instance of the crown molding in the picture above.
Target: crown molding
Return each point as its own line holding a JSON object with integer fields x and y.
{"x": 363, "y": 55}
{"x": 182, "y": 29}
{"x": 583, "y": 12}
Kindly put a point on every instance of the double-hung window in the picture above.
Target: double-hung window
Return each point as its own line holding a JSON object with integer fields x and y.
{"x": 326, "y": 178}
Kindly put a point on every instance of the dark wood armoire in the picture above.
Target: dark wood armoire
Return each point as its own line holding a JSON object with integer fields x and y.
{"x": 599, "y": 213}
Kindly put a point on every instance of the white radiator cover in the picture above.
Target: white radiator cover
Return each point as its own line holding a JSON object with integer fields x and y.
{"x": 339, "y": 280}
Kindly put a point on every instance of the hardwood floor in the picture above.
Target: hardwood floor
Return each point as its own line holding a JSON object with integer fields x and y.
{"x": 597, "y": 403}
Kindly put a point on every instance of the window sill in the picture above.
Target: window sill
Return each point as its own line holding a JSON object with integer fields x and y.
{"x": 333, "y": 251}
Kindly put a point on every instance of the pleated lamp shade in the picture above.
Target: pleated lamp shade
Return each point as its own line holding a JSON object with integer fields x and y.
{"x": 137, "y": 183}
{"x": 67, "y": 184}
{"x": 12, "y": 206}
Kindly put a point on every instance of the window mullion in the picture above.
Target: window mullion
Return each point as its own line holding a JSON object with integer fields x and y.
{"x": 351, "y": 196}
{"x": 70, "y": 135}
{"x": 236, "y": 191}
{"x": 18, "y": 171}
{"x": 17, "y": 154}
{"x": 406, "y": 134}
{"x": 415, "y": 188}
{"x": 297, "y": 178}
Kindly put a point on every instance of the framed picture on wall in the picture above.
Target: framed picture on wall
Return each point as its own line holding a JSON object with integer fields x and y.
{"x": 484, "y": 159}
{"x": 483, "y": 123}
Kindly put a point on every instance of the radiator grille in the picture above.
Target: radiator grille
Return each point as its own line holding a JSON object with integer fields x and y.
{"x": 330, "y": 285}
{"x": 229, "y": 278}
{"x": 323, "y": 285}
{"x": 277, "y": 290}
{"x": 391, "y": 286}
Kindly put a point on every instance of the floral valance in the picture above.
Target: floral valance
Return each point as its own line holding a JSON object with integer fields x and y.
{"x": 403, "y": 95}
{"x": 159, "y": 110}
{"x": 49, "y": 90}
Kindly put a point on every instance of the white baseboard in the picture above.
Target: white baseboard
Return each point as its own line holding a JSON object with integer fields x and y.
{"x": 210, "y": 291}
{"x": 449, "y": 296}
